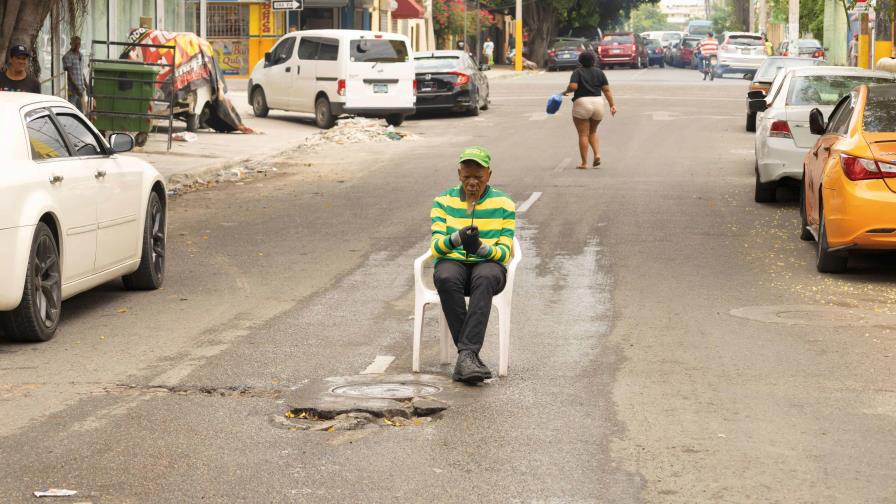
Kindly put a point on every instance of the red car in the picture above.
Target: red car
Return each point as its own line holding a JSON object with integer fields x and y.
{"x": 624, "y": 48}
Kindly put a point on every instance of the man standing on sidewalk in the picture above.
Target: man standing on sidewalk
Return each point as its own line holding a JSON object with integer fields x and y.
{"x": 72, "y": 63}
{"x": 854, "y": 50}
{"x": 472, "y": 236}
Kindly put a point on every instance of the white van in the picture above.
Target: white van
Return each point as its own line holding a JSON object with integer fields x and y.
{"x": 334, "y": 72}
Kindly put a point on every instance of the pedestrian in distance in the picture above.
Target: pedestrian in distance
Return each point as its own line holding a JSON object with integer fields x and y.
{"x": 488, "y": 50}
{"x": 854, "y": 50}
{"x": 15, "y": 77}
{"x": 472, "y": 236}
{"x": 72, "y": 63}
{"x": 589, "y": 86}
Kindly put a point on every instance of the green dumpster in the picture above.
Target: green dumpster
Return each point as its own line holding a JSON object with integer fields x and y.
{"x": 123, "y": 88}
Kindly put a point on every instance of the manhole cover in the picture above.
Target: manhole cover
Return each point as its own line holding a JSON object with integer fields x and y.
{"x": 387, "y": 390}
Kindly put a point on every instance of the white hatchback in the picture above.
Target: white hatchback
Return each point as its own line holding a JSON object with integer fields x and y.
{"x": 782, "y": 122}
{"x": 334, "y": 72}
{"x": 73, "y": 213}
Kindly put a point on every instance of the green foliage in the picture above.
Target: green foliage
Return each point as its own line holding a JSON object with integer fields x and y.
{"x": 812, "y": 17}
{"x": 723, "y": 17}
{"x": 648, "y": 17}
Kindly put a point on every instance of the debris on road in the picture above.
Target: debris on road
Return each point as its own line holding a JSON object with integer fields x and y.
{"x": 55, "y": 492}
{"x": 184, "y": 136}
{"x": 357, "y": 130}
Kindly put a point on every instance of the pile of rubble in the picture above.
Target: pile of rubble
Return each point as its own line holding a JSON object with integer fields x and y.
{"x": 180, "y": 184}
{"x": 357, "y": 130}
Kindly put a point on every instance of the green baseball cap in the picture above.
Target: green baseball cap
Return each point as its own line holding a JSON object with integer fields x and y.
{"x": 478, "y": 154}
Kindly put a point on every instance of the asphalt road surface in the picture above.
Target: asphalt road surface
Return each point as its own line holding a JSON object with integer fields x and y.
{"x": 671, "y": 340}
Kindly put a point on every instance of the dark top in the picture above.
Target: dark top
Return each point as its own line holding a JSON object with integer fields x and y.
{"x": 590, "y": 80}
{"x": 28, "y": 85}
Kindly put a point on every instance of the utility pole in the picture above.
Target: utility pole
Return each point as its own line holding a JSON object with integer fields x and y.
{"x": 793, "y": 26}
{"x": 518, "y": 25}
{"x": 763, "y": 16}
{"x": 466, "y": 49}
{"x": 478, "y": 36}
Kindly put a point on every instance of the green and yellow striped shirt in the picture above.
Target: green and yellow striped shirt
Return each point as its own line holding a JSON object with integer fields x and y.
{"x": 494, "y": 214}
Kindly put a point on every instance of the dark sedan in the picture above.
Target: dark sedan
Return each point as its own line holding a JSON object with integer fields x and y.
{"x": 564, "y": 53}
{"x": 450, "y": 81}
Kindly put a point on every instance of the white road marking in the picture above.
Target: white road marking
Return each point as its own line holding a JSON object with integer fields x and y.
{"x": 562, "y": 164}
{"x": 379, "y": 365}
{"x": 538, "y": 116}
{"x": 529, "y": 202}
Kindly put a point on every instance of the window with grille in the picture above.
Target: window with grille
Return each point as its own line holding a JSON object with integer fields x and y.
{"x": 227, "y": 21}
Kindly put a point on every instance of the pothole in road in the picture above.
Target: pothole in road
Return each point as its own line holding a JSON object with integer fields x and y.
{"x": 816, "y": 315}
{"x": 355, "y": 403}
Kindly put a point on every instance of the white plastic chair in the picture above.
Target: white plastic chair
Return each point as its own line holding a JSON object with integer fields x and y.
{"x": 424, "y": 296}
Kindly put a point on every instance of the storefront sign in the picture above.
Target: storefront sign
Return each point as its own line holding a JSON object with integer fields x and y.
{"x": 232, "y": 56}
{"x": 267, "y": 19}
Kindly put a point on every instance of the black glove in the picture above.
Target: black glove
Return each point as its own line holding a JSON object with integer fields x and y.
{"x": 469, "y": 238}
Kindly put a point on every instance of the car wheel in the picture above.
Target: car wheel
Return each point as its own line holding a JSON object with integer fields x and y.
{"x": 37, "y": 316}
{"x": 662, "y": 64}
{"x": 259, "y": 103}
{"x": 485, "y": 103}
{"x": 805, "y": 234}
{"x": 397, "y": 119}
{"x": 765, "y": 192}
{"x": 827, "y": 261}
{"x": 323, "y": 114}
{"x": 751, "y": 121}
{"x": 151, "y": 273}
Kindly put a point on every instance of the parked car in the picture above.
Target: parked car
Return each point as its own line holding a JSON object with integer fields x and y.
{"x": 783, "y": 135}
{"x": 73, "y": 213}
{"x": 564, "y": 53}
{"x": 848, "y": 197}
{"x": 334, "y": 72}
{"x": 666, "y": 38}
{"x": 655, "y": 53}
{"x": 682, "y": 54}
{"x": 806, "y": 48}
{"x": 763, "y": 78}
{"x": 450, "y": 80}
{"x": 742, "y": 53}
{"x": 625, "y": 48}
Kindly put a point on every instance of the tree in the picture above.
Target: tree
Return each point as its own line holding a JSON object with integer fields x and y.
{"x": 648, "y": 17}
{"x": 448, "y": 18}
{"x": 21, "y": 21}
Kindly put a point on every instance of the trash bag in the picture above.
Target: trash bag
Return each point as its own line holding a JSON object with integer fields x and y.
{"x": 554, "y": 103}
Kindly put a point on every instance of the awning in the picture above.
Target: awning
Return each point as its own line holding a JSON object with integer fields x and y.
{"x": 333, "y": 4}
{"x": 408, "y": 9}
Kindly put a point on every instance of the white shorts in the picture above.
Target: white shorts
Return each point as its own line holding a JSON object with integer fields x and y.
{"x": 589, "y": 107}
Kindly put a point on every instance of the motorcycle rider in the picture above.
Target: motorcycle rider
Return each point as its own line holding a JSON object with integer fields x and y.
{"x": 708, "y": 47}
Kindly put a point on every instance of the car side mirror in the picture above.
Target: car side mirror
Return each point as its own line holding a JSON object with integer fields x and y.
{"x": 758, "y": 106}
{"x": 816, "y": 122}
{"x": 756, "y": 95}
{"x": 267, "y": 59}
{"x": 121, "y": 142}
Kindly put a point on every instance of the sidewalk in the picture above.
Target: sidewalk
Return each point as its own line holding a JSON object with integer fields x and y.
{"x": 213, "y": 152}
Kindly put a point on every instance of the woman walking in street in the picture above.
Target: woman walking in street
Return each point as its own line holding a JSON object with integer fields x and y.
{"x": 587, "y": 84}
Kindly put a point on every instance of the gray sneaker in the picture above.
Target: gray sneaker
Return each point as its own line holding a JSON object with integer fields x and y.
{"x": 469, "y": 369}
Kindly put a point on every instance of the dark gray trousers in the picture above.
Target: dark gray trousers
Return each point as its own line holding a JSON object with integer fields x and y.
{"x": 479, "y": 281}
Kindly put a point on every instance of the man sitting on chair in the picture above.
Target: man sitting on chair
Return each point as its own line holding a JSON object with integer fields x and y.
{"x": 472, "y": 236}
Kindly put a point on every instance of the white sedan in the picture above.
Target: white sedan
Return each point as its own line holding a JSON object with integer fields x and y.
{"x": 73, "y": 213}
{"x": 782, "y": 122}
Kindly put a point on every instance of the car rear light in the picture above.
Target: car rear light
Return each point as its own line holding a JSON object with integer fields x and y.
{"x": 779, "y": 129}
{"x": 415, "y": 87}
{"x": 819, "y": 53}
{"x": 552, "y": 53}
{"x": 462, "y": 79}
{"x": 378, "y": 36}
{"x": 634, "y": 48}
{"x": 578, "y": 50}
{"x": 340, "y": 87}
{"x": 785, "y": 53}
{"x": 856, "y": 168}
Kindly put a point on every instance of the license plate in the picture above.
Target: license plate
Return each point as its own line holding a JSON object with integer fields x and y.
{"x": 565, "y": 56}
{"x": 745, "y": 51}
{"x": 615, "y": 51}
{"x": 426, "y": 88}
{"x": 380, "y": 88}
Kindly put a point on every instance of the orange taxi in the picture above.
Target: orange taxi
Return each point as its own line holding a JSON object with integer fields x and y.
{"x": 848, "y": 196}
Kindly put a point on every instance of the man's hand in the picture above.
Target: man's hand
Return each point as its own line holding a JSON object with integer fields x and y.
{"x": 469, "y": 237}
